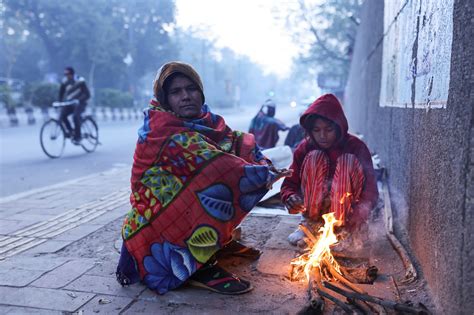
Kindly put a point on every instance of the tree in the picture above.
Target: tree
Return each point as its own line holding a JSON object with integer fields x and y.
{"x": 326, "y": 32}
{"x": 96, "y": 36}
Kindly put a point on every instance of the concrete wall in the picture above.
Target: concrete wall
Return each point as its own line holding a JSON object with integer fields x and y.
{"x": 429, "y": 154}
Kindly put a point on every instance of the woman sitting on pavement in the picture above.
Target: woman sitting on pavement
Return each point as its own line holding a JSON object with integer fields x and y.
{"x": 332, "y": 172}
{"x": 193, "y": 181}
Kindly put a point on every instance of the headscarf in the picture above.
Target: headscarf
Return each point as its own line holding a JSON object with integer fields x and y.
{"x": 169, "y": 69}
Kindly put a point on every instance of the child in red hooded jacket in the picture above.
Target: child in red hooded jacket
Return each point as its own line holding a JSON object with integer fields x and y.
{"x": 332, "y": 171}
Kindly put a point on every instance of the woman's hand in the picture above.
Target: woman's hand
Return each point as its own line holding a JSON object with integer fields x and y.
{"x": 295, "y": 204}
{"x": 282, "y": 172}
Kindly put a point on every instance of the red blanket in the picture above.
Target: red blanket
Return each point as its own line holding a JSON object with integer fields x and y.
{"x": 193, "y": 181}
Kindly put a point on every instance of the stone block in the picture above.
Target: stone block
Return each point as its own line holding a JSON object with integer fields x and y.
{"x": 48, "y": 299}
{"x": 78, "y": 232}
{"x": 64, "y": 274}
{"x": 18, "y": 310}
{"x": 32, "y": 217}
{"x": 108, "y": 217}
{"x": 19, "y": 277}
{"x": 50, "y": 246}
{"x": 105, "y": 304}
{"x": 10, "y": 226}
{"x": 41, "y": 263}
{"x": 186, "y": 295}
{"x": 104, "y": 269}
{"x": 146, "y": 307}
{"x": 104, "y": 285}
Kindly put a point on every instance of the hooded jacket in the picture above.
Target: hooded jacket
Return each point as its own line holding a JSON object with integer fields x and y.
{"x": 329, "y": 107}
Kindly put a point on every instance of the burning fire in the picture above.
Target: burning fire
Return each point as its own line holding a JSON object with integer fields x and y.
{"x": 320, "y": 251}
{"x": 344, "y": 197}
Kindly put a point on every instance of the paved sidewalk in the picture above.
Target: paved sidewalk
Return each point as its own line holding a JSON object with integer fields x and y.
{"x": 59, "y": 249}
{"x": 58, "y": 253}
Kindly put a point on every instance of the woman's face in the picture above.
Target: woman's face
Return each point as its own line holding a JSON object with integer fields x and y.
{"x": 184, "y": 97}
{"x": 324, "y": 133}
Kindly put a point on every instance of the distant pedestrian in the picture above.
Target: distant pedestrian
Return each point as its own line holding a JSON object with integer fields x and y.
{"x": 72, "y": 88}
{"x": 264, "y": 126}
{"x": 193, "y": 181}
{"x": 294, "y": 136}
{"x": 332, "y": 171}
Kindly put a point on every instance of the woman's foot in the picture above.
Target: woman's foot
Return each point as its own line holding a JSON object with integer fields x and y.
{"x": 235, "y": 248}
{"x": 216, "y": 279}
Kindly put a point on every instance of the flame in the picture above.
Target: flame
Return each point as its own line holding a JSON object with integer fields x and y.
{"x": 344, "y": 197}
{"x": 321, "y": 250}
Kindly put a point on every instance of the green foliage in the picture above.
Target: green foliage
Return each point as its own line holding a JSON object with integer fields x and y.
{"x": 44, "y": 94}
{"x": 5, "y": 96}
{"x": 113, "y": 98}
{"x": 92, "y": 36}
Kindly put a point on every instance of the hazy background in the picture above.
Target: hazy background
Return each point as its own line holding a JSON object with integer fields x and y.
{"x": 245, "y": 51}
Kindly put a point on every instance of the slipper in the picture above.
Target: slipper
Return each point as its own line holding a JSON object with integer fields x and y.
{"x": 216, "y": 279}
{"x": 235, "y": 248}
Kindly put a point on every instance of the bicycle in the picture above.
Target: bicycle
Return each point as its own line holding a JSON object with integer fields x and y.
{"x": 53, "y": 134}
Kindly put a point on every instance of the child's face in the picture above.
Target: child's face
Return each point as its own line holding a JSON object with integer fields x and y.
{"x": 324, "y": 133}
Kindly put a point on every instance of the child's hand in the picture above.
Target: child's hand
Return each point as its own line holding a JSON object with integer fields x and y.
{"x": 295, "y": 204}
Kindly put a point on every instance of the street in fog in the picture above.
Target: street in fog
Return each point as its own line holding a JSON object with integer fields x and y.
{"x": 24, "y": 166}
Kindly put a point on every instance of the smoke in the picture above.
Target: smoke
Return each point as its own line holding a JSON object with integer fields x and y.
{"x": 400, "y": 207}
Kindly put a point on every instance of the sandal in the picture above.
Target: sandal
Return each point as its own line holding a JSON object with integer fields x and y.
{"x": 235, "y": 248}
{"x": 216, "y": 279}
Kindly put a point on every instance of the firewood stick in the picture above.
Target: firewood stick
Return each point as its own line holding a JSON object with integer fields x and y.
{"x": 387, "y": 208}
{"x": 316, "y": 303}
{"x": 397, "y": 292}
{"x": 292, "y": 269}
{"x": 410, "y": 271}
{"x": 308, "y": 233}
{"x": 365, "y": 309}
{"x": 368, "y": 298}
{"x": 347, "y": 275}
{"x": 323, "y": 293}
{"x": 343, "y": 280}
{"x": 360, "y": 275}
{"x": 308, "y": 242}
{"x": 341, "y": 304}
{"x": 344, "y": 256}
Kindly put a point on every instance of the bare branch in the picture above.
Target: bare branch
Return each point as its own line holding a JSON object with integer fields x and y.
{"x": 331, "y": 54}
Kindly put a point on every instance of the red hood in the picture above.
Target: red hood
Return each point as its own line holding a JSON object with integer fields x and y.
{"x": 328, "y": 106}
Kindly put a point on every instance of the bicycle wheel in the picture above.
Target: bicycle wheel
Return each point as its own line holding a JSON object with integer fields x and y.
{"x": 89, "y": 134}
{"x": 52, "y": 138}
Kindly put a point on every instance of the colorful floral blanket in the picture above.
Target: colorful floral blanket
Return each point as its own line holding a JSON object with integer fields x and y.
{"x": 193, "y": 181}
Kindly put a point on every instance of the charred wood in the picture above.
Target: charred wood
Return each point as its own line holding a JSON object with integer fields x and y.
{"x": 385, "y": 303}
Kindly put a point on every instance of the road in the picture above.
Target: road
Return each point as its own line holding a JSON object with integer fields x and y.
{"x": 24, "y": 166}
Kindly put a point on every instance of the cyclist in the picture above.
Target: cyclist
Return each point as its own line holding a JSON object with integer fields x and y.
{"x": 73, "y": 87}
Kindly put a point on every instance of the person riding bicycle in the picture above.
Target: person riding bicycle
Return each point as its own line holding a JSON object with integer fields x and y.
{"x": 73, "y": 87}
